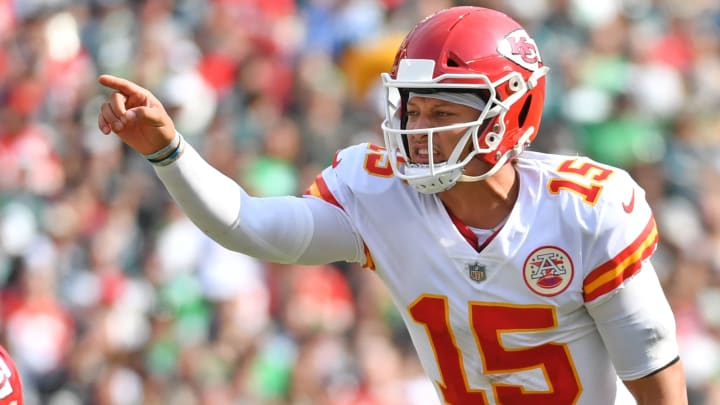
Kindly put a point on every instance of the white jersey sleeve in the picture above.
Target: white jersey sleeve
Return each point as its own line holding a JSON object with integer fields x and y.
{"x": 621, "y": 229}
{"x": 344, "y": 185}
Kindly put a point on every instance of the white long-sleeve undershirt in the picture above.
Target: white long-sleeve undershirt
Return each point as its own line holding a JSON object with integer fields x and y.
{"x": 278, "y": 229}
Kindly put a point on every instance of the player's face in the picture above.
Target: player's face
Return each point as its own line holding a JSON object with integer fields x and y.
{"x": 424, "y": 112}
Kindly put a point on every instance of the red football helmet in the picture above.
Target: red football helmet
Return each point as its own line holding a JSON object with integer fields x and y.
{"x": 10, "y": 387}
{"x": 470, "y": 50}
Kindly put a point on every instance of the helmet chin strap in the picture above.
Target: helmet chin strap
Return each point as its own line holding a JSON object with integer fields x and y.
{"x": 516, "y": 150}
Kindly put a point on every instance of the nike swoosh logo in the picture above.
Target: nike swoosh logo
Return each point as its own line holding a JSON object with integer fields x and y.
{"x": 336, "y": 159}
{"x": 630, "y": 205}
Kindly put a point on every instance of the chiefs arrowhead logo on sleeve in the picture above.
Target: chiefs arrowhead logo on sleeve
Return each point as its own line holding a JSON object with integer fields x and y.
{"x": 10, "y": 387}
{"x": 521, "y": 49}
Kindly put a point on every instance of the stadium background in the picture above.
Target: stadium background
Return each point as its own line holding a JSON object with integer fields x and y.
{"x": 111, "y": 297}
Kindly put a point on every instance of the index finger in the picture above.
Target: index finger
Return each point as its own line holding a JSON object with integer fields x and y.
{"x": 124, "y": 86}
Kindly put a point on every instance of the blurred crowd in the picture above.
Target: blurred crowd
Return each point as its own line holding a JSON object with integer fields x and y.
{"x": 110, "y": 296}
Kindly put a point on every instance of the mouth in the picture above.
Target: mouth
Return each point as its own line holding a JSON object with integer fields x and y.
{"x": 421, "y": 155}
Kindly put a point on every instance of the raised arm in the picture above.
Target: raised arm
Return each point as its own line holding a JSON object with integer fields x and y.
{"x": 281, "y": 229}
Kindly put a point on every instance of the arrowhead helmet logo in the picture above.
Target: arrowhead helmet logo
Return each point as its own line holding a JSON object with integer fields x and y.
{"x": 521, "y": 49}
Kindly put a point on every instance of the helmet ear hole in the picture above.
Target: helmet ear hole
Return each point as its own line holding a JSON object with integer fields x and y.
{"x": 524, "y": 111}
{"x": 452, "y": 63}
{"x": 515, "y": 84}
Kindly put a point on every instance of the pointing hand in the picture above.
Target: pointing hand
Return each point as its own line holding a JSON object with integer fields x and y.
{"x": 135, "y": 115}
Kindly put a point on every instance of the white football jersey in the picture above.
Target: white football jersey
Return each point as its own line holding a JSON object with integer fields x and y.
{"x": 506, "y": 324}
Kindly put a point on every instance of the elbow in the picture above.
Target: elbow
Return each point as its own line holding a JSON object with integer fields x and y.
{"x": 663, "y": 387}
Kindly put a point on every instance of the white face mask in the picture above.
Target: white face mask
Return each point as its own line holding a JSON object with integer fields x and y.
{"x": 444, "y": 174}
{"x": 435, "y": 177}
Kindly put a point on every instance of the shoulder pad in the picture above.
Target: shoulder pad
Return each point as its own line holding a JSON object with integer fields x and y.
{"x": 364, "y": 167}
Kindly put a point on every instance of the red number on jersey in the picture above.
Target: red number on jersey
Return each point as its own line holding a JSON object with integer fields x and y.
{"x": 587, "y": 186}
{"x": 377, "y": 163}
{"x": 488, "y": 322}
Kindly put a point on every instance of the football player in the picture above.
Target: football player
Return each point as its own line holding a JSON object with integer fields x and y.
{"x": 523, "y": 278}
{"x": 10, "y": 385}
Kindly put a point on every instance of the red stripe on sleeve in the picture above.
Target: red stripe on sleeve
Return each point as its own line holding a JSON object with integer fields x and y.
{"x": 612, "y": 273}
{"x": 320, "y": 189}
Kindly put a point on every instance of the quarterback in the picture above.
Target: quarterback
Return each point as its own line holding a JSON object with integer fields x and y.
{"x": 523, "y": 278}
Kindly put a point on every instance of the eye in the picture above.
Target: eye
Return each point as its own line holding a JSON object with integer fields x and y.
{"x": 411, "y": 115}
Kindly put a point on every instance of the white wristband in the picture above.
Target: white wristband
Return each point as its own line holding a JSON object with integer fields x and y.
{"x": 169, "y": 153}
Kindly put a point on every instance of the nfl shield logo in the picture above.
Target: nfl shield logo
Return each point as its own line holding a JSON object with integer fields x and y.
{"x": 476, "y": 272}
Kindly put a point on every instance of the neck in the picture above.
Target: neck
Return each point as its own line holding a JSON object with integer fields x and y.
{"x": 484, "y": 204}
